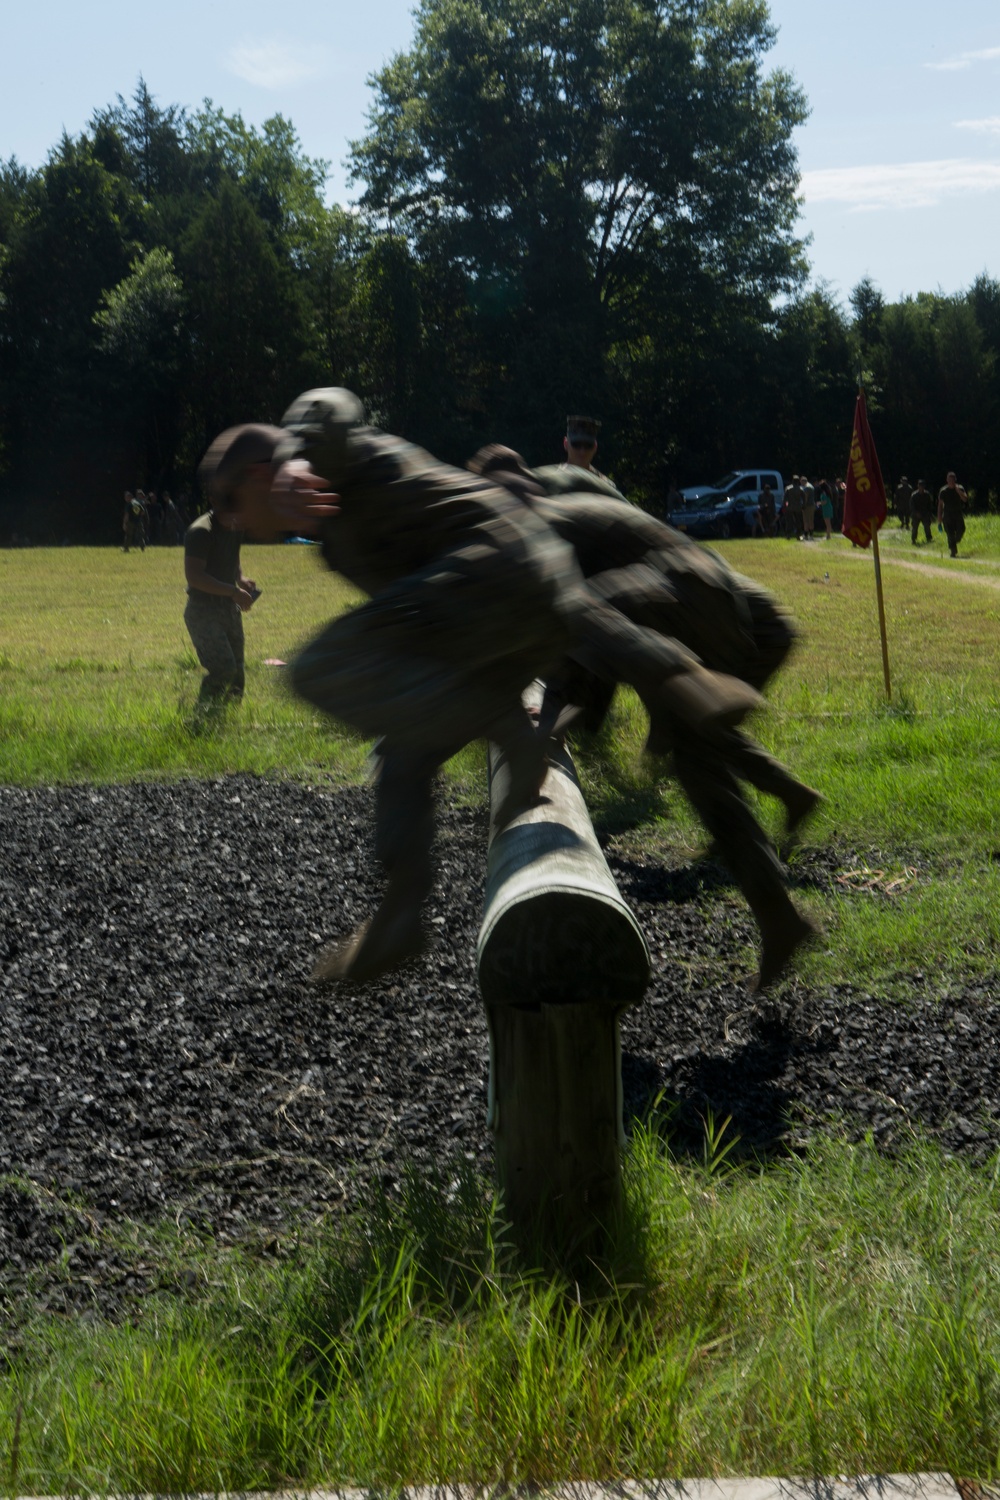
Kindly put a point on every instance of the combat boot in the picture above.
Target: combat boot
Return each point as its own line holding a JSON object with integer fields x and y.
{"x": 393, "y": 936}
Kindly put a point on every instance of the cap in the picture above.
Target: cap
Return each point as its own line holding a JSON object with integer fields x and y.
{"x": 582, "y": 429}
{"x": 232, "y": 452}
{"x": 316, "y": 427}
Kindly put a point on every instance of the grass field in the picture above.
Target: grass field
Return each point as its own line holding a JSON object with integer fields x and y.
{"x": 98, "y": 681}
{"x": 831, "y": 1313}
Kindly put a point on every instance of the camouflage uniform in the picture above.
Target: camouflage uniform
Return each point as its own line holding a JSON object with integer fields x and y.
{"x": 901, "y": 500}
{"x": 471, "y": 600}
{"x": 664, "y": 581}
{"x": 214, "y": 622}
{"x": 473, "y": 596}
{"x": 921, "y": 510}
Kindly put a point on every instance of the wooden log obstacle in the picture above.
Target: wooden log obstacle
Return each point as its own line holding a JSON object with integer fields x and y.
{"x": 560, "y": 956}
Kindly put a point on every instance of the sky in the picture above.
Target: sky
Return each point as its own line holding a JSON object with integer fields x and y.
{"x": 900, "y": 156}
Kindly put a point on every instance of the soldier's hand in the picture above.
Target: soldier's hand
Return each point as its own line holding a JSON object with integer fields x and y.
{"x": 302, "y": 498}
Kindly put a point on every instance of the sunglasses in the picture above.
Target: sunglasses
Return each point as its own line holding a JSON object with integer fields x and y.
{"x": 582, "y": 442}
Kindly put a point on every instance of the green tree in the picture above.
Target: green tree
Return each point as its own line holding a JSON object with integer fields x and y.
{"x": 246, "y": 317}
{"x": 143, "y": 338}
{"x": 387, "y": 309}
{"x": 71, "y": 235}
{"x": 143, "y": 143}
{"x": 327, "y": 263}
{"x": 565, "y": 154}
{"x": 282, "y": 184}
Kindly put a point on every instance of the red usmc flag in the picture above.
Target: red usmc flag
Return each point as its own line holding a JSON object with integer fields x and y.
{"x": 864, "y": 500}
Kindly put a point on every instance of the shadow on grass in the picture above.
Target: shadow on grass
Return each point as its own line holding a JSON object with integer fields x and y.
{"x": 748, "y": 1087}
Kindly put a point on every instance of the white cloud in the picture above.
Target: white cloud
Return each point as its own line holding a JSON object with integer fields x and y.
{"x": 964, "y": 60}
{"x": 913, "y": 184}
{"x": 988, "y": 126}
{"x": 272, "y": 64}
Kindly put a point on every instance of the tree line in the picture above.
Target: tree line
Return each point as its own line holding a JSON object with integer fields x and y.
{"x": 581, "y": 206}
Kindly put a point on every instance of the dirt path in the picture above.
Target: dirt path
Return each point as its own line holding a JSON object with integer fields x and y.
{"x": 933, "y": 570}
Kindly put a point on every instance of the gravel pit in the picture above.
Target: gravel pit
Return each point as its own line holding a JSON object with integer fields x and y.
{"x": 162, "y": 1053}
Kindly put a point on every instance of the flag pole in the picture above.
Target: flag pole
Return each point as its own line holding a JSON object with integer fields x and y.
{"x": 865, "y": 508}
{"x": 881, "y": 616}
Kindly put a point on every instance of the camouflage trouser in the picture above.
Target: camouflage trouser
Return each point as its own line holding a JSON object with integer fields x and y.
{"x": 707, "y": 772}
{"x": 954, "y": 527}
{"x": 134, "y": 534}
{"x": 436, "y": 660}
{"x": 215, "y": 626}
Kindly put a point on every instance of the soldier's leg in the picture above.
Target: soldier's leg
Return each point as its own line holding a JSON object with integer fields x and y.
{"x": 237, "y": 644}
{"x": 211, "y": 630}
{"x": 752, "y": 763}
{"x": 404, "y": 831}
{"x": 374, "y": 670}
{"x": 670, "y": 679}
{"x": 713, "y": 792}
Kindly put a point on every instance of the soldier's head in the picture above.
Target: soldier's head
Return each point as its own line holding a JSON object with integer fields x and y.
{"x": 236, "y": 475}
{"x": 505, "y": 467}
{"x": 580, "y": 442}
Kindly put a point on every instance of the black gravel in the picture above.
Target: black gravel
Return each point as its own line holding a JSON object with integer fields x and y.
{"x": 162, "y": 1054}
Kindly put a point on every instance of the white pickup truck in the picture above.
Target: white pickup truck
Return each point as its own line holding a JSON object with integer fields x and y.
{"x": 743, "y": 482}
{"x": 728, "y": 507}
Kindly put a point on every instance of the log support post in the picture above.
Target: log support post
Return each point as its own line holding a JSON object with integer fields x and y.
{"x": 560, "y": 956}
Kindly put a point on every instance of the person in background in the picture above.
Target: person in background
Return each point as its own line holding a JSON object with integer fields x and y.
{"x": 793, "y": 507}
{"x": 580, "y": 443}
{"x": 173, "y": 526}
{"x": 808, "y": 508}
{"x": 218, "y": 596}
{"x": 901, "y": 500}
{"x": 133, "y": 519}
{"x": 766, "y": 511}
{"x": 921, "y": 506}
{"x": 825, "y": 498}
{"x": 952, "y": 500}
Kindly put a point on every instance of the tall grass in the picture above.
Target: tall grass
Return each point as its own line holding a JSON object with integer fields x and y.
{"x": 828, "y": 1314}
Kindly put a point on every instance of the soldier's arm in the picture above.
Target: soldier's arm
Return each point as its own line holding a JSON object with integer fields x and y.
{"x": 198, "y": 577}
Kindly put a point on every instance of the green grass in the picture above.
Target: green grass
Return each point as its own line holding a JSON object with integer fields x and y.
{"x": 830, "y": 1314}
{"x": 98, "y": 682}
{"x": 98, "y": 678}
{"x": 834, "y": 1312}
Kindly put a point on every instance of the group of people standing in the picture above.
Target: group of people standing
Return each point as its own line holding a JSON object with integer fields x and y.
{"x": 916, "y": 508}
{"x": 803, "y": 502}
{"x": 151, "y": 520}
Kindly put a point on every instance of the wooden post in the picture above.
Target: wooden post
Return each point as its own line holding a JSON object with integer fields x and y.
{"x": 560, "y": 956}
